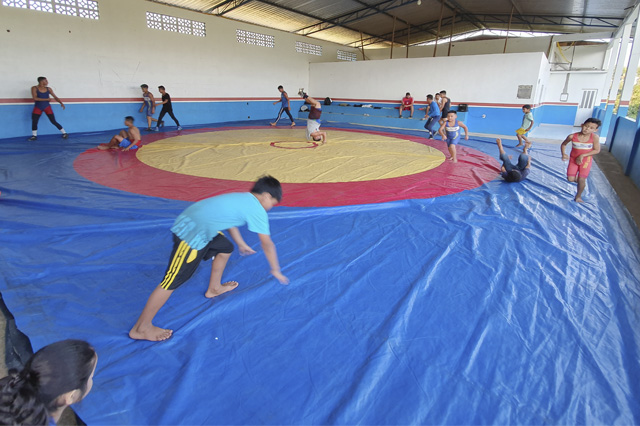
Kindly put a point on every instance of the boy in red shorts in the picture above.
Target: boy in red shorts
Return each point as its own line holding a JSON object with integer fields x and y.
{"x": 585, "y": 144}
{"x": 407, "y": 105}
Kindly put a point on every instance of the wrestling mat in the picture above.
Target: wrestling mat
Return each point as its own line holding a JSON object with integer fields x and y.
{"x": 422, "y": 292}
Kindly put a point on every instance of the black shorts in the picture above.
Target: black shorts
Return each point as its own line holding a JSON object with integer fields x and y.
{"x": 184, "y": 260}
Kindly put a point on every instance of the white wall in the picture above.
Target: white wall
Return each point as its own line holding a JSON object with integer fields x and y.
{"x": 578, "y": 81}
{"x": 112, "y": 56}
{"x": 473, "y": 79}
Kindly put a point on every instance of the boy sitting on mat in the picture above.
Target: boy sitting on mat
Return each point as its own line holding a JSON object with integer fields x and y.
{"x": 126, "y": 139}
{"x": 197, "y": 236}
{"x": 515, "y": 172}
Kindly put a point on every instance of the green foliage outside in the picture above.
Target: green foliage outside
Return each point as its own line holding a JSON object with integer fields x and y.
{"x": 634, "y": 103}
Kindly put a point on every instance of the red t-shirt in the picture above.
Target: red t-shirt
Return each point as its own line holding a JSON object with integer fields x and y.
{"x": 407, "y": 101}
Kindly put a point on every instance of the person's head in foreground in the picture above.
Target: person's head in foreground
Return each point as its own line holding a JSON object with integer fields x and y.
{"x": 128, "y": 121}
{"x": 590, "y": 126}
{"x": 513, "y": 176}
{"x": 268, "y": 191}
{"x": 429, "y": 97}
{"x": 407, "y": 95}
{"x": 161, "y": 89}
{"x": 526, "y": 108}
{"x": 443, "y": 93}
{"x": 55, "y": 377}
{"x": 280, "y": 89}
{"x": 43, "y": 81}
{"x": 452, "y": 115}
{"x": 144, "y": 87}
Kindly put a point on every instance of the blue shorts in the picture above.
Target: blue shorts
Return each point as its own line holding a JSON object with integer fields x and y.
{"x": 453, "y": 141}
{"x": 125, "y": 143}
{"x": 148, "y": 107}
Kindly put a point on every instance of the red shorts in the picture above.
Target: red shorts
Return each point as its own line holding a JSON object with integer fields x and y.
{"x": 38, "y": 111}
{"x": 406, "y": 108}
{"x": 581, "y": 170}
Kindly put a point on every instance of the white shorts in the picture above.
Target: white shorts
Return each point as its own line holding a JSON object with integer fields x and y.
{"x": 312, "y": 127}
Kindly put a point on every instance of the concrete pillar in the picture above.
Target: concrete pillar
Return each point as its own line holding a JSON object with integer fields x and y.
{"x": 630, "y": 77}
{"x": 617, "y": 73}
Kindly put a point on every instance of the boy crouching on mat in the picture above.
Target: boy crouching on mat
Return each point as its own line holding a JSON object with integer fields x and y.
{"x": 126, "y": 139}
{"x": 584, "y": 145}
{"x": 197, "y": 236}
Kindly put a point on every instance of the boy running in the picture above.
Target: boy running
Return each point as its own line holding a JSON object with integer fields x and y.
{"x": 445, "y": 105}
{"x": 197, "y": 236}
{"x": 126, "y": 139}
{"x": 584, "y": 145}
{"x": 167, "y": 108}
{"x": 514, "y": 172}
{"x": 432, "y": 116}
{"x": 450, "y": 132}
{"x": 285, "y": 106}
{"x": 40, "y": 94}
{"x": 149, "y": 102}
{"x": 527, "y": 123}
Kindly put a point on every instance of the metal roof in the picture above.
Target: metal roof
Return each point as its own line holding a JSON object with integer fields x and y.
{"x": 378, "y": 23}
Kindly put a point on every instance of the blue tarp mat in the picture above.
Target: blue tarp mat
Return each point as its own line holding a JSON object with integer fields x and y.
{"x": 507, "y": 304}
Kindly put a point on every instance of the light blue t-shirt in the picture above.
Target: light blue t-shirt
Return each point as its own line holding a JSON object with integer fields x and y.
{"x": 527, "y": 120}
{"x": 434, "y": 109}
{"x": 201, "y": 222}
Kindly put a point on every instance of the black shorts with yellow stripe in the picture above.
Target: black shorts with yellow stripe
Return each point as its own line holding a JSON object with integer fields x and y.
{"x": 185, "y": 260}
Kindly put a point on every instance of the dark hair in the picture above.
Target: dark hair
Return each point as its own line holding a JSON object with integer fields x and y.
{"x": 443, "y": 92}
{"x": 28, "y": 396}
{"x": 161, "y": 87}
{"x": 527, "y": 106}
{"x": 319, "y": 138}
{"x": 41, "y": 78}
{"x": 452, "y": 112}
{"x": 270, "y": 185}
{"x": 408, "y": 94}
{"x": 594, "y": 121}
{"x": 129, "y": 118}
{"x": 429, "y": 96}
{"x": 144, "y": 86}
{"x": 513, "y": 176}
{"x": 280, "y": 87}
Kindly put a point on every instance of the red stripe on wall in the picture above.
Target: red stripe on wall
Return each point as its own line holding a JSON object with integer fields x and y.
{"x": 116, "y": 100}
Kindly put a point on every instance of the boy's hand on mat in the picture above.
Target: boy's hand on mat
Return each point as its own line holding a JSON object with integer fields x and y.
{"x": 246, "y": 250}
{"x": 278, "y": 275}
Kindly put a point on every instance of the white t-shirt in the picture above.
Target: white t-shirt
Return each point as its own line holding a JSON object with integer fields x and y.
{"x": 312, "y": 127}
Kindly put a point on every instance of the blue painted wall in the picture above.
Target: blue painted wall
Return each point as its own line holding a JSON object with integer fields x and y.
{"x": 15, "y": 120}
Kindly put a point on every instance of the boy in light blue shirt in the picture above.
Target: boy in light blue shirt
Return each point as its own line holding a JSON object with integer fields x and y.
{"x": 197, "y": 236}
{"x": 432, "y": 116}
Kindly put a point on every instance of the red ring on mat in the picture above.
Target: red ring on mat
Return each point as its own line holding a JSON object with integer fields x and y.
{"x": 123, "y": 171}
{"x": 275, "y": 145}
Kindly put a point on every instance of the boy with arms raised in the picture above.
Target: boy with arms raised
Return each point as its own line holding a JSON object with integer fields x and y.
{"x": 197, "y": 236}
{"x": 584, "y": 145}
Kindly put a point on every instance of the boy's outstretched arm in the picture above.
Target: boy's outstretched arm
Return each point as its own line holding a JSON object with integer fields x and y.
{"x": 466, "y": 130}
{"x": 244, "y": 248}
{"x": 272, "y": 257}
{"x": 566, "y": 141}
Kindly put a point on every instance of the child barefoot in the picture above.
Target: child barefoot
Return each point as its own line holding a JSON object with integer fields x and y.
{"x": 126, "y": 139}
{"x": 452, "y": 136}
{"x": 585, "y": 144}
{"x": 197, "y": 236}
{"x": 527, "y": 124}
{"x": 515, "y": 172}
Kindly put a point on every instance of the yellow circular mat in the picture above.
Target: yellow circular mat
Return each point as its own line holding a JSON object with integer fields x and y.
{"x": 244, "y": 155}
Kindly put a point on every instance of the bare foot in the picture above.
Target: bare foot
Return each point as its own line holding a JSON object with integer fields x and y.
{"x": 103, "y": 147}
{"x": 153, "y": 334}
{"x": 228, "y": 286}
{"x": 273, "y": 124}
{"x": 578, "y": 200}
{"x": 455, "y": 160}
{"x": 520, "y": 144}
{"x": 527, "y": 146}
{"x": 293, "y": 124}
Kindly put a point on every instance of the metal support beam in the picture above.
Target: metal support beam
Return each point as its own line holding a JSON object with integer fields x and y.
{"x": 435, "y": 46}
{"x": 393, "y": 36}
{"x": 506, "y": 39}
{"x": 408, "y": 39}
{"x": 451, "y": 33}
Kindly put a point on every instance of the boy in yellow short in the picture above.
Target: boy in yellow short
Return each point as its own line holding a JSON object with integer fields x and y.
{"x": 527, "y": 124}
{"x": 197, "y": 236}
